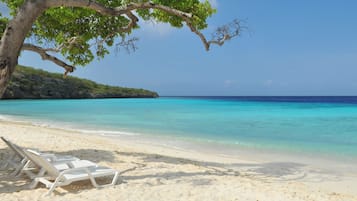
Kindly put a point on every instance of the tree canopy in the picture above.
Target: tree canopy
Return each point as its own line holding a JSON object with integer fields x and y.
{"x": 81, "y": 34}
{"x": 82, "y": 30}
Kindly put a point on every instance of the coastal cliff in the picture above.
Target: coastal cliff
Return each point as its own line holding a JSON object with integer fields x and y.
{"x": 30, "y": 83}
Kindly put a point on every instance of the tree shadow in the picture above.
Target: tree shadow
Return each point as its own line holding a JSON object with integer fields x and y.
{"x": 137, "y": 166}
{"x": 277, "y": 169}
{"x": 94, "y": 155}
{"x": 282, "y": 171}
{"x": 11, "y": 184}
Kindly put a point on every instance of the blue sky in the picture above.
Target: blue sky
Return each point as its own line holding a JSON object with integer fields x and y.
{"x": 292, "y": 48}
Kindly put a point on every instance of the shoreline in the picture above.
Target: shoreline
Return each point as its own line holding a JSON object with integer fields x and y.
{"x": 233, "y": 151}
{"x": 243, "y": 168}
{"x": 300, "y": 129}
{"x": 195, "y": 145}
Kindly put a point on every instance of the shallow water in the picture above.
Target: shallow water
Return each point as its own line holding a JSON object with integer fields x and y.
{"x": 320, "y": 125}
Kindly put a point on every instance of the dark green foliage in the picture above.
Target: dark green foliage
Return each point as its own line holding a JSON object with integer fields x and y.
{"x": 78, "y": 30}
{"x": 3, "y": 23}
{"x": 32, "y": 83}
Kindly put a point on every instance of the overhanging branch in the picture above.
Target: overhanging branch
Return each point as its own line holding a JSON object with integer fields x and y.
{"x": 42, "y": 52}
{"x": 132, "y": 23}
{"x": 117, "y": 11}
{"x": 68, "y": 43}
{"x": 221, "y": 35}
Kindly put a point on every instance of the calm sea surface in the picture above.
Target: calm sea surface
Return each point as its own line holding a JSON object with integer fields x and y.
{"x": 326, "y": 125}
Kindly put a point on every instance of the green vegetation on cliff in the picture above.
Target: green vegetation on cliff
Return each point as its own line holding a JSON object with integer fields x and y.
{"x": 30, "y": 83}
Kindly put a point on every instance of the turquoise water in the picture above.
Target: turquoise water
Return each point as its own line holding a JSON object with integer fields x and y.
{"x": 297, "y": 126}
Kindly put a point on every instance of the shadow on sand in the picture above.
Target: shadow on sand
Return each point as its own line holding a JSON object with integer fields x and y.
{"x": 282, "y": 171}
{"x": 277, "y": 170}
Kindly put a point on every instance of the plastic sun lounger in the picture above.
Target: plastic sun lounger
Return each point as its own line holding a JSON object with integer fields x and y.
{"x": 19, "y": 161}
{"x": 52, "y": 177}
{"x": 62, "y": 164}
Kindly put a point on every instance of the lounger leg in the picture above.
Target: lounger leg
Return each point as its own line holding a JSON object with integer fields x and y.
{"x": 115, "y": 178}
{"x": 53, "y": 186}
{"x": 114, "y": 181}
{"x": 94, "y": 183}
{"x": 16, "y": 171}
{"x": 19, "y": 168}
{"x": 40, "y": 173}
{"x": 34, "y": 183}
{"x": 27, "y": 170}
{"x": 24, "y": 169}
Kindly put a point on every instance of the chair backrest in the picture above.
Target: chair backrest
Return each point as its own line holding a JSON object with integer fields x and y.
{"x": 38, "y": 160}
{"x": 15, "y": 148}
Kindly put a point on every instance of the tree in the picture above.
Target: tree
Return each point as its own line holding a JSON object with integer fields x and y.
{"x": 81, "y": 30}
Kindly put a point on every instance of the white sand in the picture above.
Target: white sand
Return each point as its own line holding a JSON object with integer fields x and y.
{"x": 153, "y": 172}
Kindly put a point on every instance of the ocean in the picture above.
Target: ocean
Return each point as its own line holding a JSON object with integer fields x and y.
{"x": 319, "y": 125}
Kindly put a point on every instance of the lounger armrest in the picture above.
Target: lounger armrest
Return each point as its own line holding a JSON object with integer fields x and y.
{"x": 73, "y": 170}
{"x": 48, "y": 156}
{"x": 53, "y": 157}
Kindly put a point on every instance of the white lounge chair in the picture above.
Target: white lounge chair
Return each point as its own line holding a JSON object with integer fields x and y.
{"x": 61, "y": 164}
{"x": 19, "y": 160}
{"x": 53, "y": 177}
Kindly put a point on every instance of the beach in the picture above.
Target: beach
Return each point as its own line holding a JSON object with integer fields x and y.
{"x": 149, "y": 171}
{"x": 256, "y": 104}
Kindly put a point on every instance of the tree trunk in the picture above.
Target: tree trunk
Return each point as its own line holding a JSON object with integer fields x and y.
{"x": 14, "y": 36}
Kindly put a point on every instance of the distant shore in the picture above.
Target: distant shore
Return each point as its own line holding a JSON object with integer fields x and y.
{"x": 159, "y": 171}
{"x": 31, "y": 83}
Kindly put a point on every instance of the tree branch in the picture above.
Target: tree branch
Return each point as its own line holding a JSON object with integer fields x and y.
{"x": 42, "y": 52}
{"x": 221, "y": 35}
{"x": 133, "y": 23}
{"x": 117, "y": 11}
{"x": 71, "y": 41}
{"x": 128, "y": 45}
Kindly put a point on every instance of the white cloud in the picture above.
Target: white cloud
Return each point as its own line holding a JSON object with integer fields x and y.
{"x": 268, "y": 83}
{"x": 229, "y": 83}
{"x": 214, "y": 3}
{"x": 162, "y": 29}
{"x": 153, "y": 27}
{"x": 4, "y": 10}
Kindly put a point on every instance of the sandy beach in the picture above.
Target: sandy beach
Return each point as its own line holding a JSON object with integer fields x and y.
{"x": 152, "y": 172}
